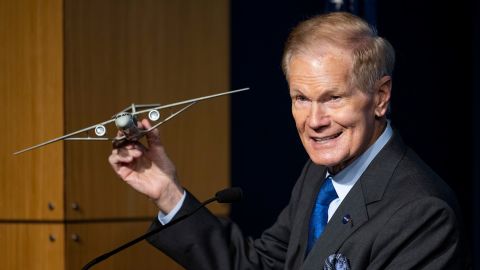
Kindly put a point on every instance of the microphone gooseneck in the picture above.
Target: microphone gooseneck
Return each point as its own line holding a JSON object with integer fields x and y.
{"x": 228, "y": 195}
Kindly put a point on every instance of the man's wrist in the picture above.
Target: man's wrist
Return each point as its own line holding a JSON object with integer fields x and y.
{"x": 165, "y": 218}
{"x": 170, "y": 199}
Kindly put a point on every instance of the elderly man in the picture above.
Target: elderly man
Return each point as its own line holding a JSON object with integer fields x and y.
{"x": 364, "y": 200}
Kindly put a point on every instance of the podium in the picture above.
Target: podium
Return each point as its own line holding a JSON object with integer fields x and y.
{"x": 68, "y": 64}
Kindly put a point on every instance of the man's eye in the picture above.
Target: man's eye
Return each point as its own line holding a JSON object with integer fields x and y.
{"x": 300, "y": 98}
{"x": 335, "y": 97}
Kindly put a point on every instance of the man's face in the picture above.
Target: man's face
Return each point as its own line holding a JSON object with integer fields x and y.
{"x": 335, "y": 120}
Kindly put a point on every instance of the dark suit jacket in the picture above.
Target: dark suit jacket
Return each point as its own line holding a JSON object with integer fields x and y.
{"x": 402, "y": 216}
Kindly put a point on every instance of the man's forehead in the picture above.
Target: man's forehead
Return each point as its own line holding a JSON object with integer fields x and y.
{"x": 321, "y": 55}
{"x": 333, "y": 62}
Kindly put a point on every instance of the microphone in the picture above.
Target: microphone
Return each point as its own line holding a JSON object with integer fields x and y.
{"x": 228, "y": 195}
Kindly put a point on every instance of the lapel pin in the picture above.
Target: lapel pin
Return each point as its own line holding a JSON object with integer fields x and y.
{"x": 347, "y": 219}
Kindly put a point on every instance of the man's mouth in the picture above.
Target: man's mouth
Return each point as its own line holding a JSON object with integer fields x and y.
{"x": 326, "y": 138}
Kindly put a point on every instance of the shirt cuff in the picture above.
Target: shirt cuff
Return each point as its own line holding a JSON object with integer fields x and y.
{"x": 166, "y": 218}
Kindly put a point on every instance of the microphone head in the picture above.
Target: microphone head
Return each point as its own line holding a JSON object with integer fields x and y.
{"x": 229, "y": 195}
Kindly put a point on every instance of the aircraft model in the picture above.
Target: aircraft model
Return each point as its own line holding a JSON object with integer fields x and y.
{"x": 126, "y": 122}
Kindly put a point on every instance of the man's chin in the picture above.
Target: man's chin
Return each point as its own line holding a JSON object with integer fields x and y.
{"x": 323, "y": 161}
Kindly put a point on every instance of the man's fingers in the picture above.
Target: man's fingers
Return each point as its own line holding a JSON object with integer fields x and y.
{"x": 145, "y": 124}
{"x": 153, "y": 137}
{"x": 117, "y": 159}
{"x": 119, "y": 163}
{"x": 126, "y": 154}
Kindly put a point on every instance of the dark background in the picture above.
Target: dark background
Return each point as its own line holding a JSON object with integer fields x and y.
{"x": 434, "y": 107}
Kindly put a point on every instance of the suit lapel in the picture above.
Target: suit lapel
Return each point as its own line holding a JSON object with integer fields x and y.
{"x": 368, "y": 189}
{"x": 337, "y": 231}
{"x": 314, "y": 178}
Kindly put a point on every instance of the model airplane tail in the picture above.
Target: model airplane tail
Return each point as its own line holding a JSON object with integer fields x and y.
{"x": 126, "y": 122}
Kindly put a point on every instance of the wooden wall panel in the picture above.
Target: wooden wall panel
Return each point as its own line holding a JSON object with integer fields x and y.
{"x": 87, "y": 241}
{"x": 32, "y": 246}
{"x": 145, "y": 51}
{"x": 31, "y": 91}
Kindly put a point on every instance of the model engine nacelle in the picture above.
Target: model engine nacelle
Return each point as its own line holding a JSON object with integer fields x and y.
{"x": 153, "y": 115}
{"x": 100, "y": 130}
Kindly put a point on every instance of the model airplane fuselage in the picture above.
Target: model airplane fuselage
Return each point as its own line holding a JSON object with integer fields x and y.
{"x": 126, "y": 122}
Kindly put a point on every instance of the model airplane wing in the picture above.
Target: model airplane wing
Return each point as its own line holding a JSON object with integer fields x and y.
{"x": 126, "y": 122}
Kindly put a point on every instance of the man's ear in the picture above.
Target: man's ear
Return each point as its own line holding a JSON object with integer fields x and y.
{"x": 383, "y": 90}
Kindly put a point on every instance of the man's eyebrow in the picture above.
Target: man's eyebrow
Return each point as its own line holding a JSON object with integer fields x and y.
{"x": 295, "y": 91}
{"x": 335, "y": 91}
{"x": 327, "y": 92}
{"x": 332, "y": 90}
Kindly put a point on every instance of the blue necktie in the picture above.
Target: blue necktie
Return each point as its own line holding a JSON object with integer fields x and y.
{"x": 319, "y": 217}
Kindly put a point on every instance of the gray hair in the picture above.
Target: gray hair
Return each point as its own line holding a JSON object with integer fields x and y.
{"x": 373, "y": 56}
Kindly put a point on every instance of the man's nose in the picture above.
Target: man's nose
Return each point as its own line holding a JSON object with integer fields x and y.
{"x": 318, "y": 117}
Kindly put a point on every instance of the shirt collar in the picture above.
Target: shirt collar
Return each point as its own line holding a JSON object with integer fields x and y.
{"x": 346, "y": 178}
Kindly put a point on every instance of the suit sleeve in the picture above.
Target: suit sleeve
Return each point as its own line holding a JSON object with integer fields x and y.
{"x": 423, "y": 234}
{"x": 204, "y": 241}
